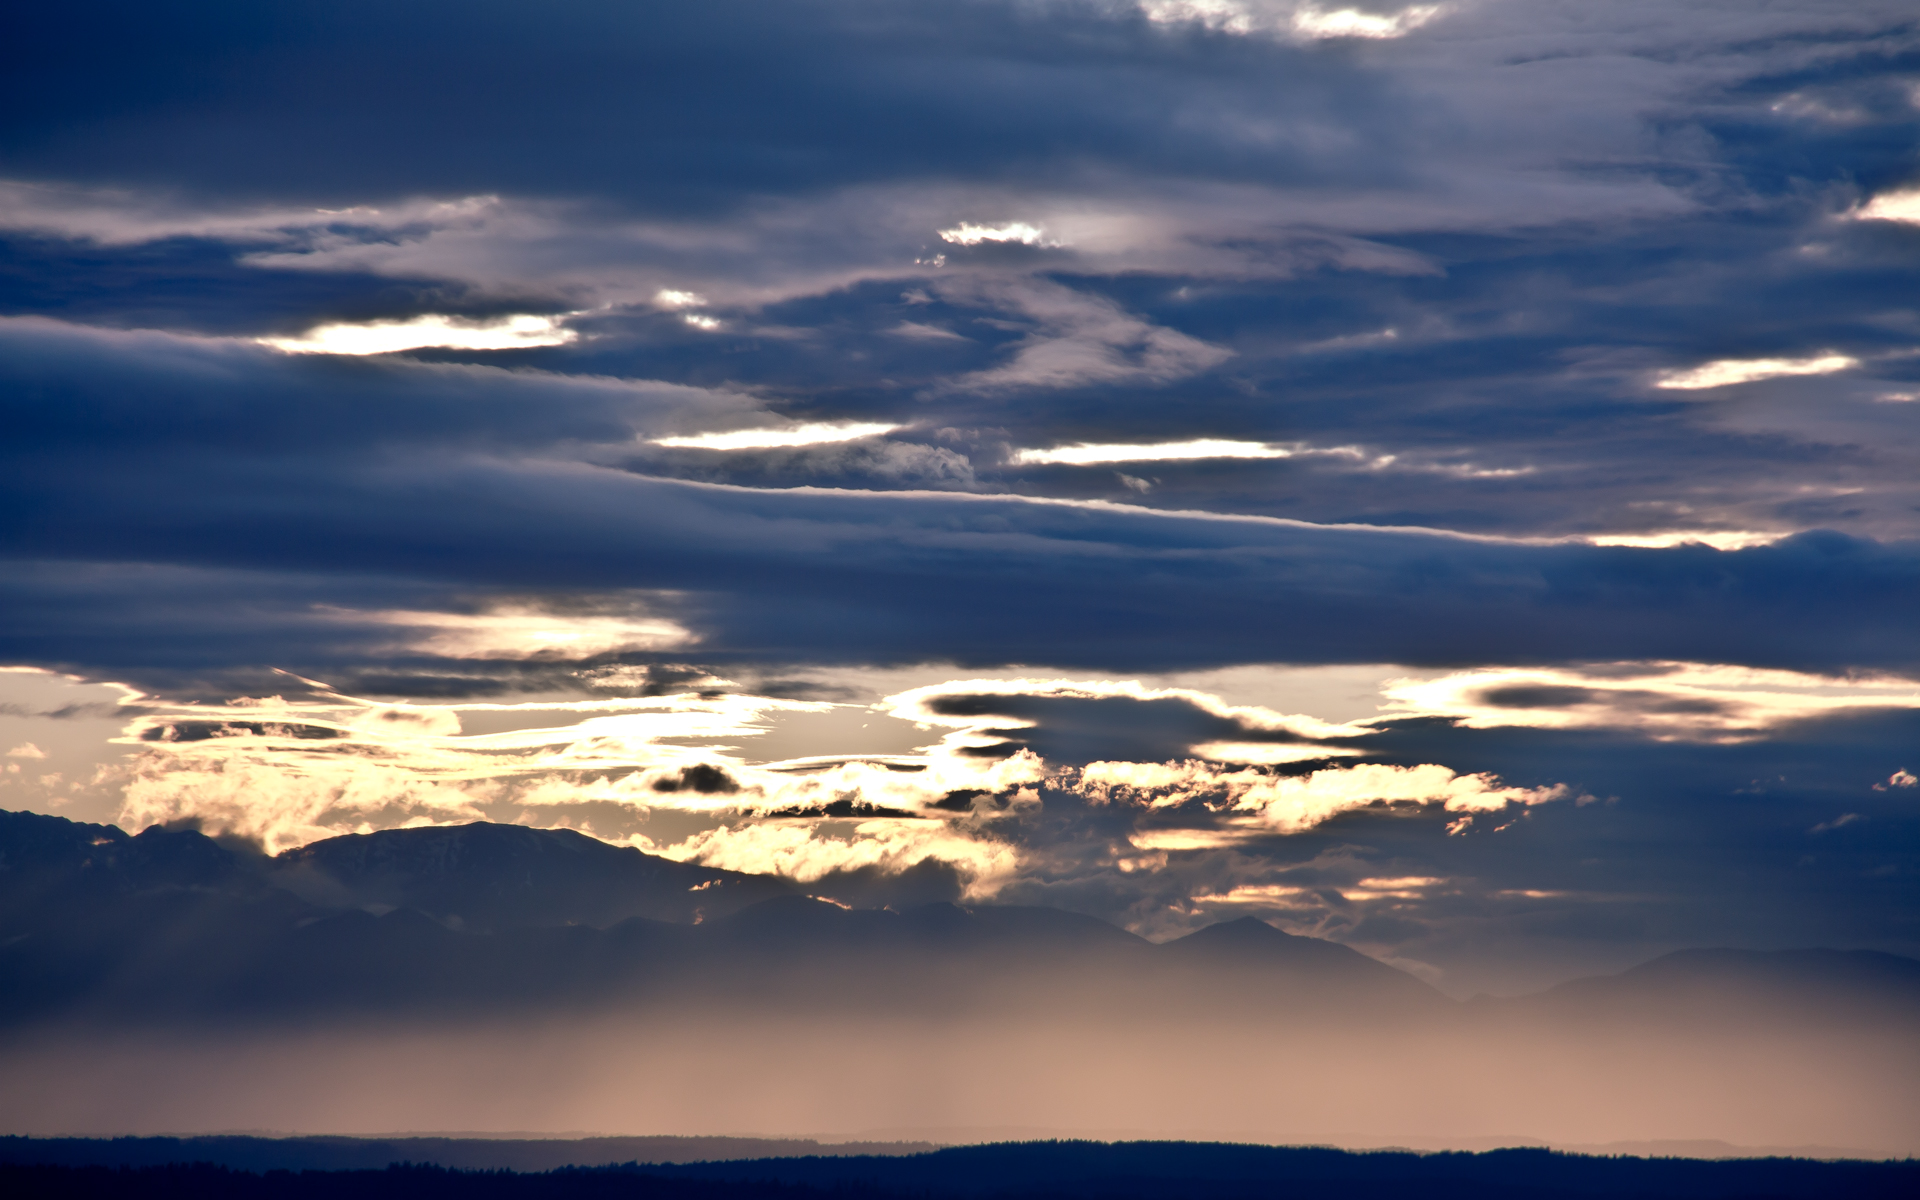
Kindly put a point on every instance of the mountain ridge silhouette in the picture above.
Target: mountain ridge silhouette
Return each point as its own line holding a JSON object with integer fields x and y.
{"x": 171, "y": 924}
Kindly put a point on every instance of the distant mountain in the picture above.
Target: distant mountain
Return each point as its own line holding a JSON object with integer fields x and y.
{"x": 484, "y": 876}
{"x": 481, "y": 919}
{"x": 173, "y": 925}
{"x": 46, "y": 861}
{"x": 1273, "y": 959}
{"x": 247, "y": 1152}
{"x": 1718, "y": 985}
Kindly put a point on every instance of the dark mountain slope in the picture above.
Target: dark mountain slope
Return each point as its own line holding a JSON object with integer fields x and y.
{"x": 484, "y": 876}
{"x": 245, "y": 1152}
{"x": 1718, "y": 985}
{"x": 48, "y": 862}
{"x": 483, "y": 919}
{"x": 1273, "y": 960}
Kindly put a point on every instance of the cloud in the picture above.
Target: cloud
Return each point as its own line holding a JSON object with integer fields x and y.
{"x": 1891, "y": 206}
{"x": 1082, "y": 455}
{"x": 467, "y": 487}
{"x": 1079, "y": 339}
{"x": 1663, "y": 700}
{"x": 1293, "y": 804}
{"x": 914, "y": 329}
{"x": 969, "y": 234}
{"x": 131, "y": 216}
{"x": 809, "y": 855}
{"x": 1315, "y": 22}
{"x": 1308, "y": 22}
{"x": 1727, "y": 371}
{"x": 511, "y": 632}
{"x": 1078, "y": 720}
{"x": 1260, "y": 895}
{"x": 817, "y": 434}
{"x": 1839, "y": 822}
{"x": 1719, "y": 539}
{"x": 26, "y": 750}
{"x": 386, "y": 337}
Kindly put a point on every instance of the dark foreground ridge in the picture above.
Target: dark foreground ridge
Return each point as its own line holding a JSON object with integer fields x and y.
{"x": 247, "y": 1152}
{"x": 1127, "y": 1171}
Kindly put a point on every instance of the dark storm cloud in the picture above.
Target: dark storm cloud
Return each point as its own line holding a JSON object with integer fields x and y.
{"x": 1461, "y": 255}
{"x": 143, "y": 449}
{"x": 663, "y": 106}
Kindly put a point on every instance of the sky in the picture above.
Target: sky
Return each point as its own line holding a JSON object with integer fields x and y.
{"x": 1440, "y": 478}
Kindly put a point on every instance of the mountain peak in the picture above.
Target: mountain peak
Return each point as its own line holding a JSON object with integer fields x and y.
{"x": 484, "y": 875}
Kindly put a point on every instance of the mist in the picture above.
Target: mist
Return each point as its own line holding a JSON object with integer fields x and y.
{"x": 1064, "y": 1062}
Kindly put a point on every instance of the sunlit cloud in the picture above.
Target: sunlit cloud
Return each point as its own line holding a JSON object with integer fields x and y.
{"x": 284, "y": 773}
{"x": 1187, "y": 839}
{"x": 1294, "y": 804}
{"x": 977, "y": 723}
{"x": 1304, "y": 21}
{"x": 1728, "y": 371}
{"x": 1719, "y": 539}
{"x": 808, "y": 854}
{"x": 673, "y": 298}
{"x": 1085, "y": 454}
{"x": 968, "y": 234}
{"x": 387, "y": 337}
{"x": 1406, "y": 887}
{"x": 815, "y": 434}
{"x": 1199, "y": 449}
{"x": 528, "y": 633}
{"x": 1663, "y": 701}
{"x": 1262, "y": 895}
{"x": 1268, "y": 753}
{"x": 1315, "y": 22}
{"x": 1891, "y": 206}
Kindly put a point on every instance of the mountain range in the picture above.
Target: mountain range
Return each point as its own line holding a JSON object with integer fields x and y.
{"x": 175, "y": 926}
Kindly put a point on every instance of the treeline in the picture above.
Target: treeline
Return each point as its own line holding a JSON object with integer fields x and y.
{"x": 401, "y": 1181}
{"x": 1022, "y": 1171}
